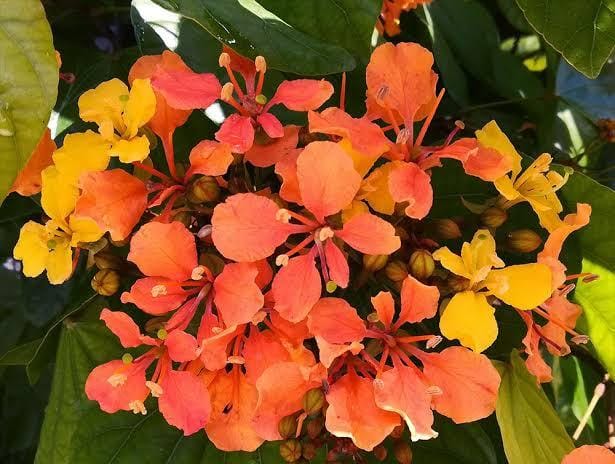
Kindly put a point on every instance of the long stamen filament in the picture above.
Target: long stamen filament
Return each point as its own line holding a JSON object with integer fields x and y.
{"x": 432, "y": 113}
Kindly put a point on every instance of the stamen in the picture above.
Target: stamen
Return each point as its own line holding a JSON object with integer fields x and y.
{"x": 261, "y": 67}
{"x": 325, "y": 233}
{"x": 343, "y": 92}
{"x": 197, "y": 273}
{"x": 158, "y": 290}
{"x": 239, "y": 360}
{"x": 204, "y": 232}
{"x": 117, "y": 379}
{"x": 226, "y": 95}
{"x": 300, "y": 246}
{"x": 433, "y": 342}
{"x": 557, "y": 322}
{"x": 154, "y": 388}
{"x": 580, "y": 340}
{"x": 331, "y": 286}
{"x": 283, "y": 215}
{"x": 434, "y": 390}
{"x": 137, "y": 407}
{"x": 281, "y": 260}
{"x": 225, "y": 62}
{"x": 127, "y": 358}
{"x": 162, "y": 334}
{"x": 425, "y": 126}
{"x": 403, "y": 136}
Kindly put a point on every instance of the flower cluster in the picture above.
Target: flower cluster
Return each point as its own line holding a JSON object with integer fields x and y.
{"x": 252, "y": 255}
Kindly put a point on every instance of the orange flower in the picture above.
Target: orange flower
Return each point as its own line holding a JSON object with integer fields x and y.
{"x": 590, "y": 454}
{"x": 388, "y": 22}
{"x": 29, "y": 180}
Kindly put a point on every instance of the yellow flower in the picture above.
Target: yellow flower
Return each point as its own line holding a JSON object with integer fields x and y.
{"x": 80, "y": 153}
{"x": 49, "y": 247}
{"x": 120, "y": 114}
{"x": 536, "y": 185}
{"x": 469, "y": 317}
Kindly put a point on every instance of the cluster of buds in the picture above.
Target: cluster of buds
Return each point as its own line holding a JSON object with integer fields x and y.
{"x": 249, "y": 260}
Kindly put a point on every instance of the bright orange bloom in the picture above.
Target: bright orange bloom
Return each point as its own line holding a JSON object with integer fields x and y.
{"x": 29, "y": 181}
{"x": 275, "y": 150}
{"x": 388, "y": 22}
{"x": 590, "y": 454}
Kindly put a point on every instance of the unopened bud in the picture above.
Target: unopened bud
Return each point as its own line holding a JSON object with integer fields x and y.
{"x": 330, "y": 286}
{"x": 493, "y": 217}
{"x": 287, "y": 427}
{"x": 313, "y": 401}
{"x": 314, "y": 427}
{"x": 402, "y": 452}
{"x": 380, "y": 453}
{"x": 290, "y": 450}
{"x": 421, "y": 264}
{"x": 184, "y": 217}
{"x": 396, "y": 271}
{"x": 309, "y": 451}
{"x": 458, "y": 284}
{"x": 523, "y": 240}
{"x": 446, "y": 229}
{"x": 212, "y": 262}
{"x": 106, "y": 282}
{"x": 107, "y": 260}
{"x": 373, "y": 263}
{"x": 205, "y": 189}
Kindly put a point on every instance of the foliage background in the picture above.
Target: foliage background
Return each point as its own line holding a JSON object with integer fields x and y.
{"x": 493, "y": 64}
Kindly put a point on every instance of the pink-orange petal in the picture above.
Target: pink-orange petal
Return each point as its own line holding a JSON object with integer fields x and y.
{"x": 116, "y": 398}
{"x": 590, "y": 454}
{"x": 418, "y": 301}
{"x": 334, "y": 320}
{"x": 210, "y": 158}
{"x": 28, "y": 181}
{"x": 185, "y": 402}
{"x": 296, "y": 288}
{"x": 275, "y": 150}
{"x": 181, "y": 345}
{"x": 140, "y": 295}
{"x": 124, "y": 328}
{"x": 185, "y": 89}
{"x": 337, "y": 263}
{"x": 271, "y": 125}
{"x": 409, "y": 183}
{"x": 286, "y": 168}
{"x": 369, "y": 234}
{"x": 261, "y": 350}
{"x": 302, "y": 94}
{"x": 237, "y": 296}
{"x": 238, "y": 132}
{"x": 384, "y": 305}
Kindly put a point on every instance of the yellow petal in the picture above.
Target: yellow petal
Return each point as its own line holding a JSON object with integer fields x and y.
{"x": 376, "y": 188}
{"x": 84, "y": 230}
{"x": 550, "y": 220}
{"x": 491, "y": 136}
{"x": 60, "y": 263}
{"x": 32, "y": 249}
{"x": 58, "y": 197}
{"x": 451, "y": 262}
{"x": 135, "y": 149}
{"x": 524, "y": 286}
{"x": 82, "y": 152}
{"x": 506, "y": 188}
{"x": 354, "y": 209}
{"x": 479, "y": 256}
{"x": 140, "y": 108}
{"x": 470, "y": 318}
{"x": 104, "y": 104}
{"x": 362, "y": 162}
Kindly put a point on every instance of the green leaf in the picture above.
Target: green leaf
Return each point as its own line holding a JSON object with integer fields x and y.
{"x": 252, "y": 30}
{"x": 595, "y": 244}
{"x": 28, "y": 84}
{"x": 346, "y": 23}
{"x": 582, "y": 31}
{"x": 531, "y": 430}
{"x": 514, "y": 15}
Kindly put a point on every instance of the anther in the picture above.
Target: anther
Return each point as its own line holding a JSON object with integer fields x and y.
{"x": 281, "y": 260}
{"x": 590, "y": 278}
{"x": 378, "y": 383}
{"x": 224, "y": 60}
{"x": 137, "y": 407}
{"x": 227, "y": 91}
{"x": 260, "y": 64}
{"x": 373, "y": 317}
{"x": 434, "y": 390}
{"x": 162, "y": 334}
{"x": 127, "y": 358}
{"x": 204, "y": 232}
{"x": 282, "y": 215}
{"x": 260, "y": 99}
{"x": 117, "y": 379}
{"x": 331, "y": 286}
{"x": 382, "y": 93}
{"x": 236, "y": 360}
{"x": 158, "y": 290}
{"x": 580, "y": 339}
{"x": 433, "y": 342}
{"x": 403, "y": 136}
{"x": 197, "y": 273}
{"x": 460, "y": 124}
{"x": 154, "y": 388}
{"x": 325, "y": 233}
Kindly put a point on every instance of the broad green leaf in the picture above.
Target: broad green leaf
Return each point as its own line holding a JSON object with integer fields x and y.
{"x": 253, "y": 30}
{"x": 582, "y": 31}
{"x": 596, "y": 245}
{"x": 532, "y": 432}
{"x": 346, "y": 23}
{"x": 28, "y": 84}
{"x": 514, "y": 15}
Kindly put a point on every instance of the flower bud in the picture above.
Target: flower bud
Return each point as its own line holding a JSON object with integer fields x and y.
{"x": 203, "y": 190}
{"x": 421, "y": 264}
{"x": 287, "y": 426}
{"x": 290, "y": 450}
{"x": 380, "y": 453}
{"x": 313, "y": 401}
{"x": 458, "y": 284}
{"x": 309, "y": 450}
{"x": 107, "y": 260}
{"x": 446, "y": 229}
{"x": 106, "y": 282}
{"x": 396, "y": 271}
{"x": 184, "y": 217}
{"x": 493, "y": 217}
{"x": 314, "y": 427}
{"x": 402, "y": 452}
{"x": 523, "y": 240}
{"x": 373, "y": 263}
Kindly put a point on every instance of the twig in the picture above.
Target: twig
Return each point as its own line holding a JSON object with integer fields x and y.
{"x": 598, "y": 393}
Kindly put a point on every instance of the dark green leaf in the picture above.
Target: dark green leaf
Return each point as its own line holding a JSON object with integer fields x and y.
{"x": 28, "y": 85}
{"x": 582, "y": 31}
{"x": 514, "y": 15}
{"x": 253, "y": 30}
{"x": 531, "y": 430}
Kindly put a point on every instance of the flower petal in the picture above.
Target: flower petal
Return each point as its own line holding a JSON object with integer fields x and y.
{"x": 492, "y": 137}
{"x": 337, "y": 263}
{"x": 523, "y": 286}
{"x": 140, "y": 294}
{"x": 140, "y": 107}
{"x": 181, "y": 346}
{"x": 185, "y": 89}
{"x": 302, "y": 94}
{"x": 590, "y": 454}
{"x": 58, "y": 197}
{"x": 286, "y": 168}
{"x": 79, "y": 153}
{"x": 296, "y": 288}
{"x": 124, "y": 328}
{"x": 31, "y": 248}
{"x": 116, "y": 398}
{"x": 275, "y": 150}
{"x": 185, "y": 401}
{"x": 418, "y": 301}
{"x": 237, "y": 297}
{"x": 370, "y": 235}
{"x": 210, "y": 158}
{"x": 29, "y": 181}
{"x": 271, "y": 125}
{"x": 238, "y": 132}
{"x": 409, "y": 183}
{"x": 335, "y": 321}
{"x": 384, "y": 305}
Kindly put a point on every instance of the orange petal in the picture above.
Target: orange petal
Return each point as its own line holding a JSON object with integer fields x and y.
{"x": 334, "y": 320}
{"x": 28, "y": 181}
{"x": 275, "y": 150}
{"x": 590, "y": 454}
{"x": 182, "y": 346}
{"x": 286, "y": 168}
{"x": 534, "y": 362}
{"x": 261, "y": 350}
{"x": 418, "y": 301}
{"x": 353, "y": 413}
{"x": 280, "y": 393}
{"x": 328, "y": 181}
{"x": 271, "y": 125}
{"x": 468, "y": 381}
{"x": 141, "y": 295}
{"x": 384, "y": 305}
{"x": 210, "y": 158}
{"x": 165, "y": 250}
{"x": 564, "y": 311}
{"x": 369, "y": 234}
{"x": 329, "y": 352}
{"x": 238, "y": 132}
{"x": 409, "y": 183}
{"x": 114, "y": 199}
{"x": 265, "y": 273}
{"x": 296, "y": 288}
{"x": 365, "y": 136}
{"x": 185, "y": 401}
{"x": 295, "y": 332}
{"x": 233, "y": 401}
{"x": 124, "y": 328}
{"x": 337, "y": 263}
{"x": 400, "y": 390}
{"x": 302, "y": 94}
{"x": 245, "y": 227}
{"x": 399, "y": 77}
{"x": 214, "y": 345}
{"x": 116, "y": 398}
{"x": 243, "y": 66}
{"x": 185, "y": 89}
{"x": 237, "y": 297}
